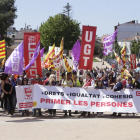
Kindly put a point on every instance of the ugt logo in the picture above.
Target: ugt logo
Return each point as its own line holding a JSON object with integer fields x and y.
{"x": 28, "y": 93}
{"x": 137, "y": 93}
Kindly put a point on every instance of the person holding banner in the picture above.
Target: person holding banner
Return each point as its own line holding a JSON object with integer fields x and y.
{"x": 68, "y": 82}
{"x": 129, "y": 83}
{"x": 136, "y": 84}
{"x": 62, "y": 79}
{"x": 52, "y": 82}
{"x": 37, "y": 81}
{"x": 88, "y": 83}
{"x": 118, "y": 87}
{"x": 79, "y": 83}
{"x": 99, "y": 85}
{"x": 7, "y": 88}
{"x": 25, "y": 82}
{"x": 111, "y": 81}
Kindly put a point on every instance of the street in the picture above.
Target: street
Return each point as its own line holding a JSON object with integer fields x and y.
{"x": 59, "y": 128}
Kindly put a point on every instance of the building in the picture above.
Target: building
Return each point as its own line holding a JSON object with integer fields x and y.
{"x": 102, "y": 38}
{"x": 19, "y": 36}
{"x": 11, "y": 30}
{"x": 128, "y": 44}
{"x": 127, "y": 30}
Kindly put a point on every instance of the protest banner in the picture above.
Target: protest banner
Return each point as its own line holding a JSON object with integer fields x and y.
{"x": 87, "y": 47}
{"x": 25, "y": 98}
{"x": 79, "y": 99}
{"x": 30, "y": 43}
{"x": 133, "y": 61}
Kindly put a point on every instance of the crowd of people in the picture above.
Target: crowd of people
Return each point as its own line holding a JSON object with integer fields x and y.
{"x": 97, "y": 78}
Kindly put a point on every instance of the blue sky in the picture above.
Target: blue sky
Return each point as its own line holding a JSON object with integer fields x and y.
{"x": 104, "y": 14}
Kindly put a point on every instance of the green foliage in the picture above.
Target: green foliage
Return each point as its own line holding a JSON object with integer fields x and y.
{"x": 55, "y": 28}
{"x": 117, "y": 49}
{"x": 110, "y": 57}
{"x": 7, "y": 16}
{"x": 135, "y": 46}
{"x": 98, "y": 49}
{"x": 95, "y": 60}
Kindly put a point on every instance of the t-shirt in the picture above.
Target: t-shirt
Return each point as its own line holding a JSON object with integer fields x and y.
{"x": 37, "y": 82}
{"x": 67, "y": 83}
{"x": 105, "y": 82}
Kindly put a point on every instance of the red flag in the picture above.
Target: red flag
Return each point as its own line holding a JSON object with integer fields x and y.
{"x": 87, "y": 47}
{"x": 30, "y": 42}
{"x": 133, "y": 61}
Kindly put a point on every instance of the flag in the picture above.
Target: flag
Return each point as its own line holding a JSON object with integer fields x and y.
{"x": 75, "y": 53}
{"x": 108, "y": 43}
{"x": 68, "y": 68}
{"x": 42, "y": 52}
{"x": 118, "y": 58}
{"x": 56, "y": 57}
{"x": 61, "y": 49}
{"x": 50, "y": 54}
{"x": 2, "y": 49}
{"x": 126, "y": 74}
{"x": 36, "y": 53}
{"x": 14, "y": 64}
{"x": 123, "y": 52}
{"x": 55, "y": 63}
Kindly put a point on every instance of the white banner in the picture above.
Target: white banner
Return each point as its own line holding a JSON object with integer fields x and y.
{"x": 24, "y": 97}
{"x": 92, "y": 100}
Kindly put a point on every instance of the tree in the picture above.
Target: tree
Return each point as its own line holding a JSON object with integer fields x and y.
{"x": 135, "y": 46}
{"x": 117, "y": 49}
{"x": 67, "y": 13}
{"x": 55, "y": 28}
{"x": 7, "y": 16}
{"x": 98, "y": 49}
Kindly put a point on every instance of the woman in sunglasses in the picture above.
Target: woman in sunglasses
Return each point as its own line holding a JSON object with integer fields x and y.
{"x": 25, "y": 82}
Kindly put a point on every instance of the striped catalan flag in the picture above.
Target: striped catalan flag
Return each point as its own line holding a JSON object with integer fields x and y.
{"x": 118, "y": 58}
{"x": 126, "y": 74}
{"x": 68, "y": 68}
{"x": 59, "y": 55}
{"x": 61, "y": 48}
{"x": 50, "y": 54}
{"x": 123, "y": 53}
{"x": 2, "y": 49}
